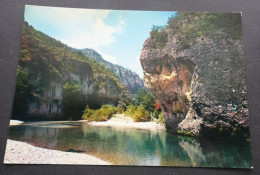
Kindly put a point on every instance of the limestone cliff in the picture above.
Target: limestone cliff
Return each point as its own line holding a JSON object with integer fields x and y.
{"x": 198, "y": 79}
{"x": 52, "y": 79}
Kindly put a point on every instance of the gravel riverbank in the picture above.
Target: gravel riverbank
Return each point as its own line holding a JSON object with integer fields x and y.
{"x": 121, "y": 120}
{"x": 23, "y": 153}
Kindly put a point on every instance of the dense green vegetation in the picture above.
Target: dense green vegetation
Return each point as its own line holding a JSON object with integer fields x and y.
{"x": 138, "y": 113}
{"x": 22, "y": 94}
{"x": 102, "y": 114}
{"x": 188, "y": 26}
{"x": 125, "y": 99}
{"x": 145, "y": 98}
{"x": 140, "y": 106}
{"x": 159, "y": 36}
{"x": 37, "y": 44}
{"x": 73, "y": 101}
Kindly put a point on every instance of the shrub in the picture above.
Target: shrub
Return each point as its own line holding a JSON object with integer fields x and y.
{"x": 138, "y": 113}
{"x": 189, "y": 26}
{"x": 160, "y": 119}
{"x": 159, "y": 36}
{"x": 102, "y": 114}
{"x": 141, "y": 115}
{"x": 130, "y": 110}
{"x": 156, "y": 114}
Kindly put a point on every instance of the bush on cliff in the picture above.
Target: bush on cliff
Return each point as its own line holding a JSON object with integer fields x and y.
{"x": 191, "y": 25}
{"x": 198, "y": 24}
{"x": 159, "y": 36}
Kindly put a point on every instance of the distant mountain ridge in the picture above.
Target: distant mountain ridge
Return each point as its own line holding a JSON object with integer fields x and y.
{"x": 130, "y": 79}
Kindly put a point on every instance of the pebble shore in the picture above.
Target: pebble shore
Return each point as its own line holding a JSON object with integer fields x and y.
{"x": 24, "y": 153}
{"x": 121, "y": 120}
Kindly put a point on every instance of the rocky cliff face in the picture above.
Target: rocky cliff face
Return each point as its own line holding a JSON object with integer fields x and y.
{"x": 127, "y": 77}
{"x": 201, "y": 88}
{"x": 47, "y": 68}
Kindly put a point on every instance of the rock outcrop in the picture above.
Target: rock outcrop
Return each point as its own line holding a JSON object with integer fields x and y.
{"x": 201, "y": 88}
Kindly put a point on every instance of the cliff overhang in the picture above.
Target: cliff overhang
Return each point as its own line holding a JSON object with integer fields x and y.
{"x": 201, "y": 88}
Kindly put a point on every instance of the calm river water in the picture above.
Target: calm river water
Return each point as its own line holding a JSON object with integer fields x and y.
{"x": 132, "y": 146}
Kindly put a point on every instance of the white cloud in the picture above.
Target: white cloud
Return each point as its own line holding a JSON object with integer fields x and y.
{"x": 79, "y": 28}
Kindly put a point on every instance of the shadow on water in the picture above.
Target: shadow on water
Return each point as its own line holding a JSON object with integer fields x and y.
{"x": 123, "y": 146}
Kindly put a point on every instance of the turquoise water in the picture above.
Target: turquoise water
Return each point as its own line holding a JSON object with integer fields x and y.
{"x": 134, "y": 147}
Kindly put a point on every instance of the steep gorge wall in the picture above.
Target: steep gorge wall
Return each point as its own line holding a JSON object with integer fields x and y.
{"x": 201, "y": 88}
{"x": 49, "y": 101}
{"x": 48, "y": 69}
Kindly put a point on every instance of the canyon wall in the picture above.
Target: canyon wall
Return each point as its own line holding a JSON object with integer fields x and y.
{"x": 201, "y": 86}
{"x": 54, "y": 82}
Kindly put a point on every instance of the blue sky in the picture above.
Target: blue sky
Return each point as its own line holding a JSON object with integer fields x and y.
{"x": 118, "y": 35}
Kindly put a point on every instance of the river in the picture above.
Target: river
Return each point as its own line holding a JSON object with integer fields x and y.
{"x": 127, "y": 146}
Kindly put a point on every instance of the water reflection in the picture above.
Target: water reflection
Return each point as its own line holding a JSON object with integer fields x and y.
{"x": 193, "y": 150}
{"x": 134, "y": 147}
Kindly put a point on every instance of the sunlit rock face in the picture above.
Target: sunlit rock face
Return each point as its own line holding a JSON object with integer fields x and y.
{"x": 201, "y": 89}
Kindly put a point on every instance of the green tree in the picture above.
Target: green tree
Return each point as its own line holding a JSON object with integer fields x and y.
{"x": 125, "y": 99}
{"x": 145, "y": 98}
{"x": 73, "y": 101}
{"x": 22, "y": 95}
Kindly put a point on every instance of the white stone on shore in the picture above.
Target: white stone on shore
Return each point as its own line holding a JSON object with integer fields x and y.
{"x": 23, "y": 153}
